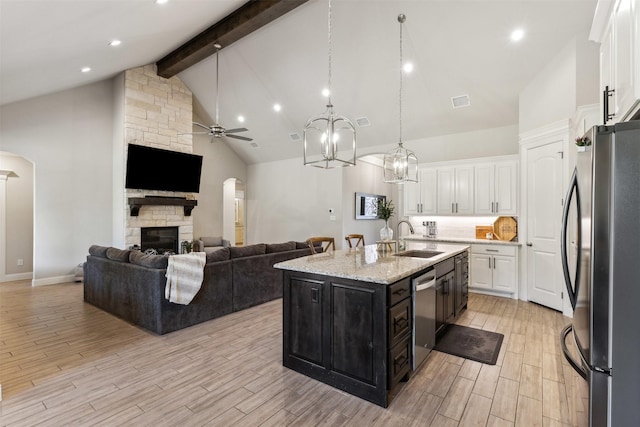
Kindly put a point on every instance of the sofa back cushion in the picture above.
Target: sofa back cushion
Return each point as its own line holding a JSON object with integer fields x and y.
{"x": 242, "y": 251}
{"x": 116, "y": 254}
{"x": 211, "y": 241}
{"x": 280, "y": 247}
{"x": 148, "y": 260}
{"x": 99, "y": 251}
{"x": 221, "y": 254}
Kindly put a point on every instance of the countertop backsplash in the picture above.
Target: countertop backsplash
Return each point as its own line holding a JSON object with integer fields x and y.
{"x": 463, "y": 227}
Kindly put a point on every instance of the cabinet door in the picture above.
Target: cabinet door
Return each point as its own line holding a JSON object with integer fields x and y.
{"x": 305, "y": 338}
{"x": 506, "y": 180}
{"x": 440, "y": 319}
{"x": 606, "y": 75}
{"x": 445, "y": 187}
{"x": 484, "y": 186}
{"x": 481, "y": 266}
{"x": 504, "y": 273}
{"x": 428, "y": 192}
{"x": 464, "y": 190}
{"x": 449, "y": 302}
{"x": 353, "y": 332}
{"x": 411, "y": 192}
{"x": 623, "y": 58}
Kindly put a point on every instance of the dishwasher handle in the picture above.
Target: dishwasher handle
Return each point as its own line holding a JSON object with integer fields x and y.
{"x": 425, "y": 281}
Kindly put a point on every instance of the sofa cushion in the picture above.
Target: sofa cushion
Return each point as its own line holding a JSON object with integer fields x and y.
{"x": 211, "y": 241}
{"x": 302, "y": 245}
{"x": 148, "y": 260}
{"x": 280, "y": 247}
{"x": 116, "y": 254}
{"x": 221, "y": 254}
{"x": 242, "y": 251}
{"x": 99, "y": 251}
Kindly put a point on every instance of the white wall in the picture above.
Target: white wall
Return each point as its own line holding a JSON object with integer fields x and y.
{"x": 289, "y": 201}
{"x": 68, "y": 136}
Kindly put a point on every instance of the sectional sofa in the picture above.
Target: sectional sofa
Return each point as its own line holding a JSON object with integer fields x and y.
{"x": 130, "y": 284}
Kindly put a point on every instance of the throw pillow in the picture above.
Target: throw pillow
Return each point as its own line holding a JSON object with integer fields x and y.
{"x": 302, "y": 245}
{"x": 211, "y": 241}
{"x": 241, "y": 251}
{"x": 116, "y": 254}
{"x": 146, "y": 260}
{"x": 280, "y": 247}
{"x": 99, "y": 251}
{"x": 221, "y": 254}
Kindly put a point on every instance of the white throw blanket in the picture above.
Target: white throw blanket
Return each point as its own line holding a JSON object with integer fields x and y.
{"x": 185, "y": 273}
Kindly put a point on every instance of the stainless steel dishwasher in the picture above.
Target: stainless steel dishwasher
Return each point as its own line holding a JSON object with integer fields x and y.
{"x": 424, "y": 316}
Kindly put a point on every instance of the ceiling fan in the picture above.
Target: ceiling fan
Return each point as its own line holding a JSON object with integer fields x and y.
{"x": 217, "y": 131}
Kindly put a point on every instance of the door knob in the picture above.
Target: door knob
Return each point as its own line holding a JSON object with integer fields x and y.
{"x": 529, "y": 244}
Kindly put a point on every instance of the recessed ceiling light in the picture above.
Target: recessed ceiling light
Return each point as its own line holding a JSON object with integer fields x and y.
{"x": 277, "y": 107}
{"x": 408, "y": 67}
{"x": 325, "y": 92}
{"x": 162, "y": 1}
{"x": 241, "y": 119}
{"x": 85, "y": 69}
{"x": 517, "y": 34}
{"x": 115, "y": 43}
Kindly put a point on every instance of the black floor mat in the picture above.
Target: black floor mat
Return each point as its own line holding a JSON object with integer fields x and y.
{"x": 470, "y": 343}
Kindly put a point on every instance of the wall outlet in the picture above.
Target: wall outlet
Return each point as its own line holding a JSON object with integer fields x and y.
{"x": 20, "y": 262}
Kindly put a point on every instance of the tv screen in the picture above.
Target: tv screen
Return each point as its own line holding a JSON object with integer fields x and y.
{"x": 151, "y": 168}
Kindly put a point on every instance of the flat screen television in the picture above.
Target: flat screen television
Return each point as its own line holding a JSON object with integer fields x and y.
{"x": 151, "y": 168}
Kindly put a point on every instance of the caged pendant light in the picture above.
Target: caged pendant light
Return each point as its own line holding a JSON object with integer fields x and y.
{"x": 400, "y": 165}
{"x": 327, "y": 134}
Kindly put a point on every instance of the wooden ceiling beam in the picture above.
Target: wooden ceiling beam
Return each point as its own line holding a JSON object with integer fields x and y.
{"x": 241, "y": 22}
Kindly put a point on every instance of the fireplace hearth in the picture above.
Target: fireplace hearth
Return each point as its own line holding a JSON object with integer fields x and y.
{"x": 160, "y": 239}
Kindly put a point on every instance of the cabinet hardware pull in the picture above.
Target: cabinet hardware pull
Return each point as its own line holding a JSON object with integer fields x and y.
{"x": 497, "y": 209}
{"x": 456, "y": 207}
{"x": 529, "y": 244}
{"x": 401, "y": 322}
{"x": 400, "y": 291}
{"x": 452, "y": 210}
{"x": 606, "y": 94}
{"x": 489, "y": 263}
{"x": 492, "y": 250}
{"x": 492, "y": 207}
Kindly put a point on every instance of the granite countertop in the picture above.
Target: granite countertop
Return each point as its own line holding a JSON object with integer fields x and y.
{"x": 417, "y": 237}
{"x": 369, "y": 264}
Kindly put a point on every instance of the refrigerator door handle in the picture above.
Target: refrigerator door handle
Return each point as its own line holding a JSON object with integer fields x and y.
{"x": 575, "y": 365}
{"x": 572, "y": 291}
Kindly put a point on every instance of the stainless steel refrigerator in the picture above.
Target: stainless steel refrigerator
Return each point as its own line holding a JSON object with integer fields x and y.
{"x": 601, "y": 221}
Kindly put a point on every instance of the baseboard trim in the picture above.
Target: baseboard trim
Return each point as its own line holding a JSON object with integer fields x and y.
{"x": 16, "y": 277}
{"x": 54, "y": 280}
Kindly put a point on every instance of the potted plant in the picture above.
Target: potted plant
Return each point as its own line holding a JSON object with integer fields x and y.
{"x": 582, "y": 143}
{"x": 385, "y": 212}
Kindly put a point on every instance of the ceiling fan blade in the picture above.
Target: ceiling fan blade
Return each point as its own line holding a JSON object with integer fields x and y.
{"x": 202, "y": 126}
{"x": 244, "y": 138}
{"x": 198, "y": 133}
{"x": 236, "y": 130}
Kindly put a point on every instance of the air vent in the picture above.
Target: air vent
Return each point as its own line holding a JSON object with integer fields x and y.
{"x": 363, "y": 122}
{"x": 460, "y": 101}
{"x": 254, "y": 144}
{"x": 295, "y": 137}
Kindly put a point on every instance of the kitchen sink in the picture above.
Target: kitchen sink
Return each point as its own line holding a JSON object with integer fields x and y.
{"x": 418, "y": 254}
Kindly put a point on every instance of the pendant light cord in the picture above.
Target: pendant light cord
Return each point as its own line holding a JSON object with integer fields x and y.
{"x": 329, "y": 51}
{"x": 401, "y": 19}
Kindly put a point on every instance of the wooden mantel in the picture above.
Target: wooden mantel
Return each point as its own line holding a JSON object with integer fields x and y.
{"x": 135, "y": 203}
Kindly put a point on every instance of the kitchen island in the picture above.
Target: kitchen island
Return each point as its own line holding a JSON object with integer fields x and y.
{"x": 348, "y": 316}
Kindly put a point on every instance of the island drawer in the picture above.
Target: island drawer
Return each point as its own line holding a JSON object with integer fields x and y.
{"x": 494, "y": 250}
{"x": 400, "y": 321}
{"x": 399, "y": 361}
{"x": 399, "y": 291}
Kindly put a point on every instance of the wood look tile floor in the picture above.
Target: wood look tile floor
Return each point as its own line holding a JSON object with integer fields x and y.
{"x": 65, "y": 362}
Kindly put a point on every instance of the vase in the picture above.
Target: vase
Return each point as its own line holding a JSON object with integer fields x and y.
{"x": 386, "y": 233}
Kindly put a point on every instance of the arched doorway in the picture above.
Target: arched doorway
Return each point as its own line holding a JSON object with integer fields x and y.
{"x": 233, "y": 212}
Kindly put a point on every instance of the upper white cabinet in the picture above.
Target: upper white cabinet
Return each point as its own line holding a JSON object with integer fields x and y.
{"x": 420, "y": 197}
{"x": 617, "y": 29}
{"x": 496, "y": 188}
{"x": 455, "y": 190}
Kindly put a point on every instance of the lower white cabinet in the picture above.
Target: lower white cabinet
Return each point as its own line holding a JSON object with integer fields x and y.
{"x": 494, "y": 268}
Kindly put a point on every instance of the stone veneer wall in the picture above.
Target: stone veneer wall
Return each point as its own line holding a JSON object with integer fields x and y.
{"x": 155, "y": 111}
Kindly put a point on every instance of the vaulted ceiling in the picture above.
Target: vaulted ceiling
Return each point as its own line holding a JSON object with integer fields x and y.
{"x": 457, "y": 47}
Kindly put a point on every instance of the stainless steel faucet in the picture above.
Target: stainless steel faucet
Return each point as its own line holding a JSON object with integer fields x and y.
{"x": 398, "y": 232}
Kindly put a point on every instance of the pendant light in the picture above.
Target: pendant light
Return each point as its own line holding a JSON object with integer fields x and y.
{"x": 400, "y": 165}
{"x": 326, "y": 134}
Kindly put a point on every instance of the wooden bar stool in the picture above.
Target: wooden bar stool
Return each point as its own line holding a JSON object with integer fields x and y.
{"x": 319, "y": 241}
{"x": 359, "y": 238}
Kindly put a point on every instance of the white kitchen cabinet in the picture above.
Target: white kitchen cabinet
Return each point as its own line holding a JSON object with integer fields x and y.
{"x": 494, "y": 269}
{"x": 619, "y": 37}
{"x": 495, "y": 188}
{"x": 420, "y": 197}
{"x": 455, "y": 190}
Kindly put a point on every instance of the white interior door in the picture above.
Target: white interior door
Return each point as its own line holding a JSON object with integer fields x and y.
{"x": 544, "y": 212}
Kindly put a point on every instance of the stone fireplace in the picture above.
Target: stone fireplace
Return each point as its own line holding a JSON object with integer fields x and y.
{"x": 158, "y": 113}
{"x": 160, "y": 239}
